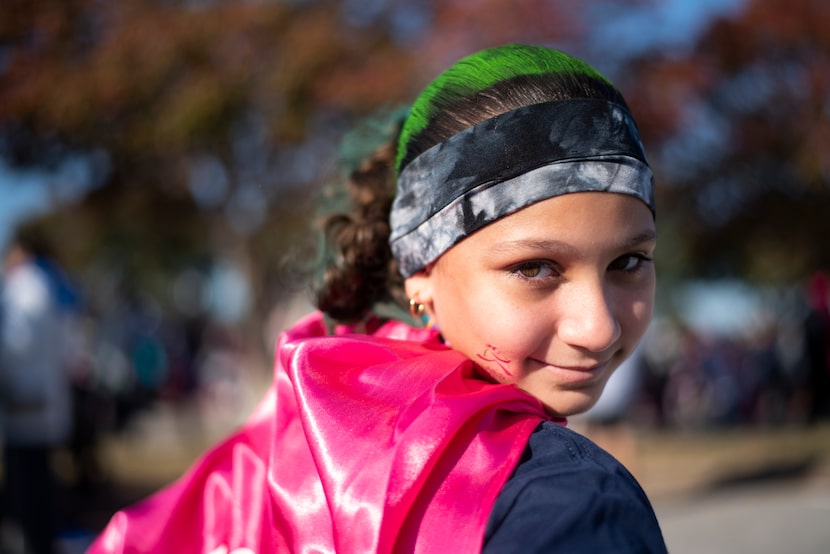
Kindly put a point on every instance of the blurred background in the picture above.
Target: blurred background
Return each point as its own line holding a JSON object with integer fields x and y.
{"x": 163, "y": 162}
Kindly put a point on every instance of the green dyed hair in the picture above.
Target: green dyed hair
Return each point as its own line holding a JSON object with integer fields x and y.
{"x": 475, "y": 75}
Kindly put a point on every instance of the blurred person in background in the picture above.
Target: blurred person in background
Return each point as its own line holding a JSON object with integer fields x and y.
{"x": 35, "y": 396}
{"x": 817, "y": 351}
{"x": 520, "y": 237}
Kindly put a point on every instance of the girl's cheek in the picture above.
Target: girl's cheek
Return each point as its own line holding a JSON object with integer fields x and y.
{"x": 496, "y": 364}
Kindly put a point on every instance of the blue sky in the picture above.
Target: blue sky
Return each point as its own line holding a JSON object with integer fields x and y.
{"x": 32, "y": 192}
{"x": 667, "y": 24}
{"x": 23, "y": 195}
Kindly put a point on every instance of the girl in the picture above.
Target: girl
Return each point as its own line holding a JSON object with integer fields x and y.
{"x": 521, "y": 231}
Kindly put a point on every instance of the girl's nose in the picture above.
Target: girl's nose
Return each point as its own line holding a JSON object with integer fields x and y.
{"x": 588, "y": 320}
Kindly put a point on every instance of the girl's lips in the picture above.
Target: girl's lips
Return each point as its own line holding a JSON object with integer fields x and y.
{"x": 576, "y": 374}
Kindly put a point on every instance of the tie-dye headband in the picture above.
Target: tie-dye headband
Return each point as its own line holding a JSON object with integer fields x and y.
{"x": 509, "y": 162}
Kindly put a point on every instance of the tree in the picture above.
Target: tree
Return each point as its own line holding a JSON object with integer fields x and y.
{"x": 739, "y": 129}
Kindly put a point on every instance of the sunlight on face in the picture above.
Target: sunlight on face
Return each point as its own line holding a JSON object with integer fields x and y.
{"x": 551, "y": 298}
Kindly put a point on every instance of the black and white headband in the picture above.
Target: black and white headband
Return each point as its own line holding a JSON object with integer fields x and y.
{"x": 509, "y": 162}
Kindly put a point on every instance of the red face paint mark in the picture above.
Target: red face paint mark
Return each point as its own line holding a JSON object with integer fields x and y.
{"x": 491, "y": 355}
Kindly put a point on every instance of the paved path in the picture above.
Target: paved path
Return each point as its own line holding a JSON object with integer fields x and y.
{"x": 790, "y": 517}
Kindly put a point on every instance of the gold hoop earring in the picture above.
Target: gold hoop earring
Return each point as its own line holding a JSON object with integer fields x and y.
{"x": 416, "y": 308}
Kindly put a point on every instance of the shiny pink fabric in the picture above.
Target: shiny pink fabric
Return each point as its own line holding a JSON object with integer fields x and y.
{"x": 366, "y": 443}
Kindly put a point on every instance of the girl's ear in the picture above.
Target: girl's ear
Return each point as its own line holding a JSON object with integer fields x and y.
{"x": 419, "y": 287}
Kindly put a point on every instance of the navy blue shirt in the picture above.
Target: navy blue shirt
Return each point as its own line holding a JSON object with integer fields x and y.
{"x": 569, "y": 495}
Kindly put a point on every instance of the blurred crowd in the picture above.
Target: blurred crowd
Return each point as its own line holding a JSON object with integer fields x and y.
{"x": 69, "y": 377}
{"x": 773, "y": 370}
{"x": 72, "y": 374}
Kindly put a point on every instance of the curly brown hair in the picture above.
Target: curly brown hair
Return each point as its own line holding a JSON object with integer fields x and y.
{"x": 362, "y": 271}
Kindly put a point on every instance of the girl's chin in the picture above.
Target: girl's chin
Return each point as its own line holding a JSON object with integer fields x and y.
{"x": 570, "y": 403}
{"x": 557, "y": 403}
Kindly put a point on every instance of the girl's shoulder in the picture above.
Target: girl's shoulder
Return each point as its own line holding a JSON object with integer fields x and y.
{"x": 553, "y": 447}
{"x": 568, "y": 494}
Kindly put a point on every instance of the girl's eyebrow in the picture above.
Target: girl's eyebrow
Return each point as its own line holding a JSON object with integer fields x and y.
{"x": 509, "y": 246}
{"x": 641, "y": 238}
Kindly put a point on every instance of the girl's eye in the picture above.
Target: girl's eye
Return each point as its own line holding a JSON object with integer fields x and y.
{"x": 629, "y": 263}
{"x": 534, "y": 270}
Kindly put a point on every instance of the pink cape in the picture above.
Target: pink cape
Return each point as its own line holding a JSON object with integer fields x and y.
{"x": 365, "y": 443}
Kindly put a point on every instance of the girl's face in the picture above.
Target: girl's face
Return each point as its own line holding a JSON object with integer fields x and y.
{"x": 551, "y": 298}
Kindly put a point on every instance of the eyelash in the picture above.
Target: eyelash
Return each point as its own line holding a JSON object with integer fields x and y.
{"x": 519, "y": 270}
{"x": 641, "y": 260}
{"x": 540, "y": 265}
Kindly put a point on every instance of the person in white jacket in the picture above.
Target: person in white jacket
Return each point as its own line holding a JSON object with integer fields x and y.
{"x": 35, "y": 396}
